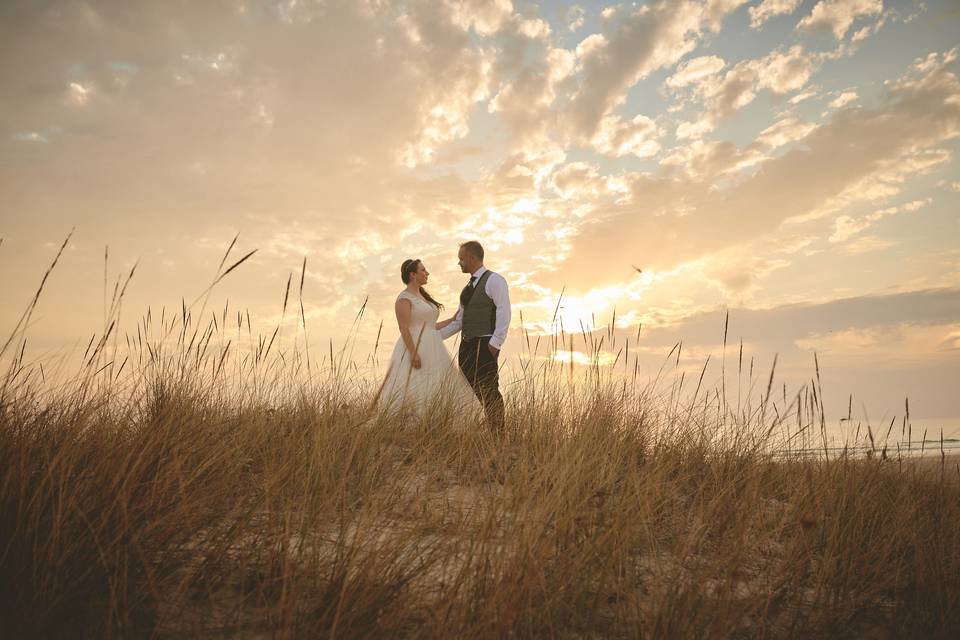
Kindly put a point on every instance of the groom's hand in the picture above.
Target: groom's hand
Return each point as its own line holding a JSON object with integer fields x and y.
{"x": 493, "y": 350}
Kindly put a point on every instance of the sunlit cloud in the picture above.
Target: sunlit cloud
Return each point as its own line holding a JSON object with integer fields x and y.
{"x": 79, "y": 95}
{"x": 843, "y": 99}
{"x": 836, "y": 16}
{"x": 672, "y": 222}
{"x": 866, "y": 244}
{"x": 695, "y": 70}
{"x": 890, "y": 345}
{"x": 448, "y": 117}
{"x": 803, "y": 95}
{"x": 723, "y": 94}
{"x": 575, "y": 17}
{"x": 845, "y": 226}
{"x": 770, "y": 8}
{"x": 787, "y": 129}
{"x": 486, "y": 17}
{"x": 638, "y": 137}
{"x": 651, "y": 37}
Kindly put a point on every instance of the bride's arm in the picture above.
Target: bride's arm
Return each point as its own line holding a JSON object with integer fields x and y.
{"x": 403, "y": 308}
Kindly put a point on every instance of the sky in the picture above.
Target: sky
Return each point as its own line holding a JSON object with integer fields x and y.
{"x": 790, "y": 162}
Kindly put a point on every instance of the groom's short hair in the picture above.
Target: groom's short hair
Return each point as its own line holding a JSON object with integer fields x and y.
{"x": 474, "y": 248}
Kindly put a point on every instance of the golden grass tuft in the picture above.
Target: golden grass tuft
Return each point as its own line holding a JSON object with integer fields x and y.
{"x": 204, "y": 492}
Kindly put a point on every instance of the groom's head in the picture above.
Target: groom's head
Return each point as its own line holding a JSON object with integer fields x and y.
{"x": 470, "y": 256}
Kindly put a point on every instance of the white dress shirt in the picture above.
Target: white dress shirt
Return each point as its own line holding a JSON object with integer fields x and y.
{"x": 496, "y": 288}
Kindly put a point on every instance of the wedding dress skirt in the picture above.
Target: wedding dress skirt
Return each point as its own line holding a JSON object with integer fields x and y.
{"x": 438, "y": 381}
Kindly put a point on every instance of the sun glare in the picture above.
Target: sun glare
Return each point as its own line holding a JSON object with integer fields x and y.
{"x": 604, "y": 359}
{"x": 591, "y": 310}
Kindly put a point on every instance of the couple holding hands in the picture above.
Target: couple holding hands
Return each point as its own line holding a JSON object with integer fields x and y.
{"x": 420, "y": 367}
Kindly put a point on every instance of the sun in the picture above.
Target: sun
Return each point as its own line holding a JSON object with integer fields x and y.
{"x": 593, "y": 309}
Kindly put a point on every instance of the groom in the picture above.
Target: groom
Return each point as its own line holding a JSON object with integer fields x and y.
{"x": 484, "y": 317}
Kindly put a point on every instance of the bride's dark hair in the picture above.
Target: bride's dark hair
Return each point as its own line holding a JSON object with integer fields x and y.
{"x": 407, "y": 269}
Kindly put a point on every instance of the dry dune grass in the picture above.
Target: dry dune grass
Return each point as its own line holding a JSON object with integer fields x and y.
{"x": 198, "y": 492}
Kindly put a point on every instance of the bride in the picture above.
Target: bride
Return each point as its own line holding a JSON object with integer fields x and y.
{"x": 421, "y": 371}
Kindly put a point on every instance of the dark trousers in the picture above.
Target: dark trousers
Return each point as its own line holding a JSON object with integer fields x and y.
{"x": 480, "y": 368}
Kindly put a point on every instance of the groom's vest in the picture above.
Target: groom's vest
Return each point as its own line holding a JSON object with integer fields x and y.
{"x": 479, "y": 310}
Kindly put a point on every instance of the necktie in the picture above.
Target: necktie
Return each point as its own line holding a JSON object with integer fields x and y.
{"x": 467, "y": 292}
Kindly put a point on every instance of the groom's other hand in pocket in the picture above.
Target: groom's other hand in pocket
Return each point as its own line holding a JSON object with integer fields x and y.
{"x": 493, "y": 350}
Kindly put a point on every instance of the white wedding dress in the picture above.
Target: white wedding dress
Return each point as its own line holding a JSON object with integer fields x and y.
{"x": 437, "y": 381}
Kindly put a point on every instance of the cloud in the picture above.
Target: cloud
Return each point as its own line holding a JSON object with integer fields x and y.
{"x": 695, "y": 70}
{"x": 722, "y": 95}
{"x": 652, "y": 37}
{"x": 485, "y": 16}
{"x": 30, "y": 136}
{"x": 673, "y": 220}
{"x": 836, "y": 16}
{"x": 843, "y": 99}
{"x": 528, "y": 90}
{"x": 846, "y": 227}
{"x": 800, "y": 97}
{"x": 291, "y": 128}
{"x": 787, "y": 129}
{"x": 769, "y": 8}
{"x": 638, "y": 136}
{"x": 804, "y": 325}
{"x": 247, "y": 112}
{"x": 716, "y": 10}
{"x": 695, "y": 129}
{"x": 575, "y": 17}
{"x": 701, "y": 159}
{"x": 931, "y": 62}
{"x": 739, "y": 273}
{"x": 864, "y": 344}
{"x": 577, "y": 178}
{"x": 78, "y": 94}
{"x": 455, "y": 84}
{"x": 867, "y": 244}
{"x": 890, "y": 346}
{"x": 891, "y": 15}
{"x": 885, "y": 181}
{"x": 448, "y": 115}
{"x": 784, "y": 71}
{"x": 780, "y": 72}
{"x": 865, "y": 32}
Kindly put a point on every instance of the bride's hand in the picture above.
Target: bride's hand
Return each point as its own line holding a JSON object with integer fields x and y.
{"x": 415, "y": 361}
